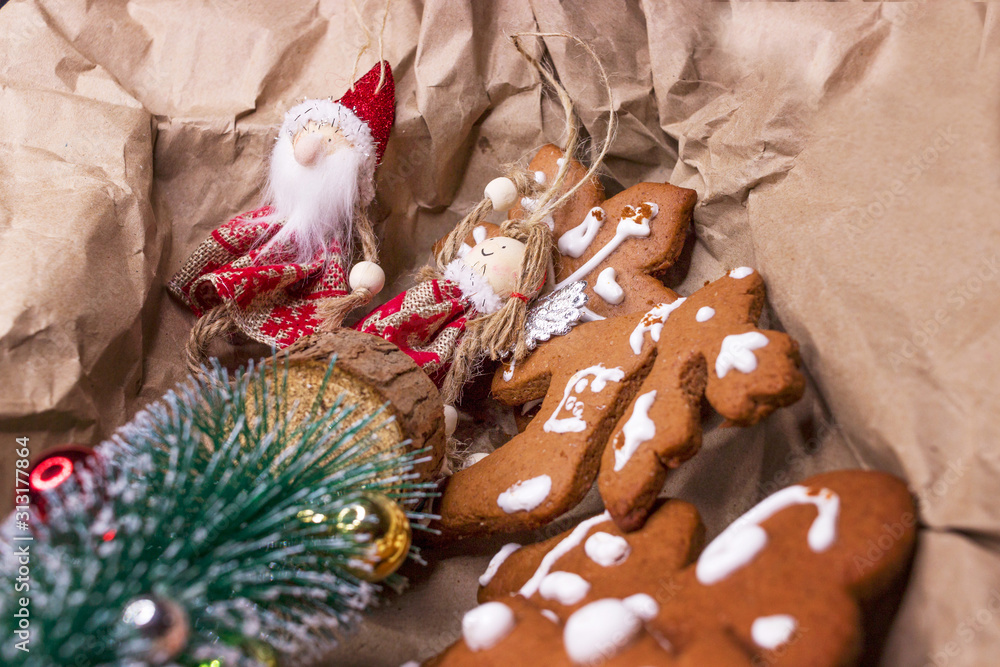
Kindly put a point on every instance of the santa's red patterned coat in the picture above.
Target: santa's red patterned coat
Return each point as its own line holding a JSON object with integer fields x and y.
{"x": 269, "y": 299}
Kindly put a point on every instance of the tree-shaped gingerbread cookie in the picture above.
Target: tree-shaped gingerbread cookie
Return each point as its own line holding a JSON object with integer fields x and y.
{"x": 621, "y": 394}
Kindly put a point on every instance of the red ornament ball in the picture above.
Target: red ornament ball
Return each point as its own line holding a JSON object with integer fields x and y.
{"x": 53, "y": 468}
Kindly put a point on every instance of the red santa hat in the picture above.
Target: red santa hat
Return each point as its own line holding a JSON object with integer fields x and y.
{"x": 365, "y": 114}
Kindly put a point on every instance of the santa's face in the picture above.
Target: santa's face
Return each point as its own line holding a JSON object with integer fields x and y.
{"x": 313, "y": 189}
{"x": 498, "y": 259}
{"x": 315, "y": 141}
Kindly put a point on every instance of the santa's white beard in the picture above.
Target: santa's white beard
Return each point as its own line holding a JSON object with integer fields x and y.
{"x": 316, "y": 204}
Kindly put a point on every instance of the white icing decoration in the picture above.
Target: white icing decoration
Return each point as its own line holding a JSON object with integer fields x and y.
{"x": 487, "y": 624}
{"x": 606, "y": 549}
{"x": 564, "y": 546}
{"x": 638, "y": 429}
{"x": 704, "y": 314}
{"x": 741, "y": 272}
{"x": 629, "y": 226}
{"x": 740, "y": 543}
{"x": 576, "y": 241}
{"x": 587, "y": 315}
{"x": 479, "y": 234}
{"x": 653, "y": 323}
{"x": 737, "y": 352}
{"x": 597, "y": 631}
{"x": 560, "y": 162}
{"x": 526, "y": 495}
{"x": 497, "y": 560}
{"x": 577, "y": 383}
{"x": 540, "y": 177}
{"x": 564, "y": 587}
{"x": 608, "y": 288}
{"x": 642, "y": 605}
{"x": 529, "y": 204}
{"x": 770, "y": 632}
{"x": 551, "y": 615}
{"x": 508, "y": 373}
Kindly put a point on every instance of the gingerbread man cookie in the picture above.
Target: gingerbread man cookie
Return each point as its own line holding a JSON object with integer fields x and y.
{"x": 785, "y": 584}
{"x": 623, "y": 395}
{"x": 515, "y": 633}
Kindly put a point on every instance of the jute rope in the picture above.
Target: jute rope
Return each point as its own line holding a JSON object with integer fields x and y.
{"x": 332, "y": 311}
{"x": 212, "y": 324}
{"x": 368, "y": 43}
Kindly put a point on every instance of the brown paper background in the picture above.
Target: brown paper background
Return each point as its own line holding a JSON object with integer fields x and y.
{"x": 848, "y": 151}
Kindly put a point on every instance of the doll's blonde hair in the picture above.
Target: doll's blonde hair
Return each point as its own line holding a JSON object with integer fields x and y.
{"x": 503, "y": 333}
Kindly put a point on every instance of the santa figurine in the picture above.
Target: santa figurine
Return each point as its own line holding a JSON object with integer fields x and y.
{"x": 280, "y": 272}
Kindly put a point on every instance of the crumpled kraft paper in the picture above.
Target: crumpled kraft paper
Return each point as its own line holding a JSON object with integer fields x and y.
{"x": 79, "y": 244}
{"x": 848, "y": 151}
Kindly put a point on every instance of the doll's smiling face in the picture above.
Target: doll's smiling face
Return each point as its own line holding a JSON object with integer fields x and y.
{"x": 498, "y": 259}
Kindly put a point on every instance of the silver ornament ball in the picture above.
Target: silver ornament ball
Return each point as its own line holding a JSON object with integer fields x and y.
{"x": 162, "y": 622}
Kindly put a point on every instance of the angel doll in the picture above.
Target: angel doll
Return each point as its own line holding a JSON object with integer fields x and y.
{"x": 473, "y": 303}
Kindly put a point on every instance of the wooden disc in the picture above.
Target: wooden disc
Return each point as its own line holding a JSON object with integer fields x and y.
{"x": 371, "y": 372}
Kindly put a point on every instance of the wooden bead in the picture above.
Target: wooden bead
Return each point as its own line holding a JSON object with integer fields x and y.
{"x": 450, "y": 420}
{"x": 502, "y": 192}
{"x": 473, "y": 459}
{"x": 368, "y": 275}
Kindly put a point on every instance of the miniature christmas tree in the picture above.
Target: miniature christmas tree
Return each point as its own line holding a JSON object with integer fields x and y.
{"x": 225, "y": 525}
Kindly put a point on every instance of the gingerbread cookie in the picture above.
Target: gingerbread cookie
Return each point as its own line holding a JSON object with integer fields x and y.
{"x": 516, "y": 633}
{"x": 618, "y": 245}
{"x": 622, "y": 395}
{"x": 785, "y": 584}
{"x": 546, "y": 470}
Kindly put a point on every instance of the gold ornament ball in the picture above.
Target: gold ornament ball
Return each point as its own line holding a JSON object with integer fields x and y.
{"x": 384, "y": 529}
{"x": 260, "y": 652}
